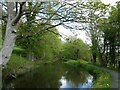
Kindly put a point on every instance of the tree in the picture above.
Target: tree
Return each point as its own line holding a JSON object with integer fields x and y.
{"x": 94, "y": 11}
{"x": 43, "y": 46}
{"x": 75, "y": 49}
{"x": 48, "y": 12}
{"x": 111, "y": 35}
{"x": 10, "y": 36}
{"x": 108, "y": 46}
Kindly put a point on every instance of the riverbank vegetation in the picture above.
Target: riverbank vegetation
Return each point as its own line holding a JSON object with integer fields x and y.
{"x": 18, "y": 66}
{"x": 98, "y": 73}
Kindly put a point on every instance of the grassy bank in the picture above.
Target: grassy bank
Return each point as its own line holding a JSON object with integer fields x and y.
{"x": 102, "y": 78}
{"x": 19, "y": 65}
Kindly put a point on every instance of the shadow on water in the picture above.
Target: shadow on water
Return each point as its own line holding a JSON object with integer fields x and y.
{"x": 53, "y": 76}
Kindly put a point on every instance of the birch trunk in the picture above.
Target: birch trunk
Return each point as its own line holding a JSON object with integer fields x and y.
{"x": 10, "y": 36}
{"x": 8, "y": 44}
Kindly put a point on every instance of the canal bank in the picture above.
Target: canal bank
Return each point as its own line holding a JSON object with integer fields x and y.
{"x": 100, "y": 79}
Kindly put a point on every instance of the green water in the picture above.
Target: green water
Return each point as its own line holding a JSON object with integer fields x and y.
{"x": 53, "y": 76}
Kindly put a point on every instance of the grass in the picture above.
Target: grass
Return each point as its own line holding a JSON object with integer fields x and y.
{"x": 103, "y": 79}
{"x": 17, "y": 66}
{"x": 16, "y": 50}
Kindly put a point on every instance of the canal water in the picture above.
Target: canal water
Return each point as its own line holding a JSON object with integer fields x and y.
{"x": 53, "y": 76}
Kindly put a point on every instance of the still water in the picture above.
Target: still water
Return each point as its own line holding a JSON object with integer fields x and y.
{"x": 53, "y": 76}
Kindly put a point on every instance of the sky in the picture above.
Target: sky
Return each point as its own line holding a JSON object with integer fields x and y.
{"x": 112, "y": 2}
{"x": 81, "y": 34}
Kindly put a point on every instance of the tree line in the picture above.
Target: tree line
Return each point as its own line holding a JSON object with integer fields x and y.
{"x": 30, "y": 22}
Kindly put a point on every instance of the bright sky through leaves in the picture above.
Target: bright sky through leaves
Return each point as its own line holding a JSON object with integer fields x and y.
{"x": 82, "y": 34}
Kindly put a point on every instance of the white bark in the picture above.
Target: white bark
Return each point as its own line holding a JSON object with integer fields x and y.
{"x": 10, "y": 36}
{"x": 8, "y": 45}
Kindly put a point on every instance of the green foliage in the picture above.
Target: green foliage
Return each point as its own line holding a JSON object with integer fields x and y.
{"x": 45, "y": 45}
{"x": 76, "y": 49}
{"x": 48, "y": 46}
{"x": 95, "y": 10}
{"x": 103, "y": 83}
{"x": 110, "y": 28}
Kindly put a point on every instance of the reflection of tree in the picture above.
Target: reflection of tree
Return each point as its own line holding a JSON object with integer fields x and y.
{"x": 75, "y": 76}
{"x": 48, "y": 76}
{"x": 44, "y": 77}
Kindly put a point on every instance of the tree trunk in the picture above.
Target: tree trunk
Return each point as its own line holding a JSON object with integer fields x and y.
{"x": 94, "y": 57}
{"x": 10, "y": 35}
{"x": 8, "y": 44}
{"x": 112, "y": 52}
{"x": 119, "y": 64}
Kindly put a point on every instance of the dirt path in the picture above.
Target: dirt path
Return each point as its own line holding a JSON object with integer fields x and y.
{"x": 115, "y": 79}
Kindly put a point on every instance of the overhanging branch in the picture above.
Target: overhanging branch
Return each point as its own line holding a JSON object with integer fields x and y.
{"x": 19, "y": 14}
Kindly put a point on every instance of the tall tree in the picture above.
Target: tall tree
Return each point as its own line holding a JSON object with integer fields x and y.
{"x": 94, "y": 11}
{"x": 48, "y": 12}
{"x": 109, "y": 44}
{"x": 112, "y": 34}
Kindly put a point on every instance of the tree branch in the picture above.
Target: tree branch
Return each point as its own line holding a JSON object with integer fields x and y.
{"x": 3, "y": 4}
{"x": 19, "y": 14}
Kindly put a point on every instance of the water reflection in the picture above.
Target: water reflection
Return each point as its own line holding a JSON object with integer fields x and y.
{"x": 53, "y": 76}
{"x": 69, "y": 84}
